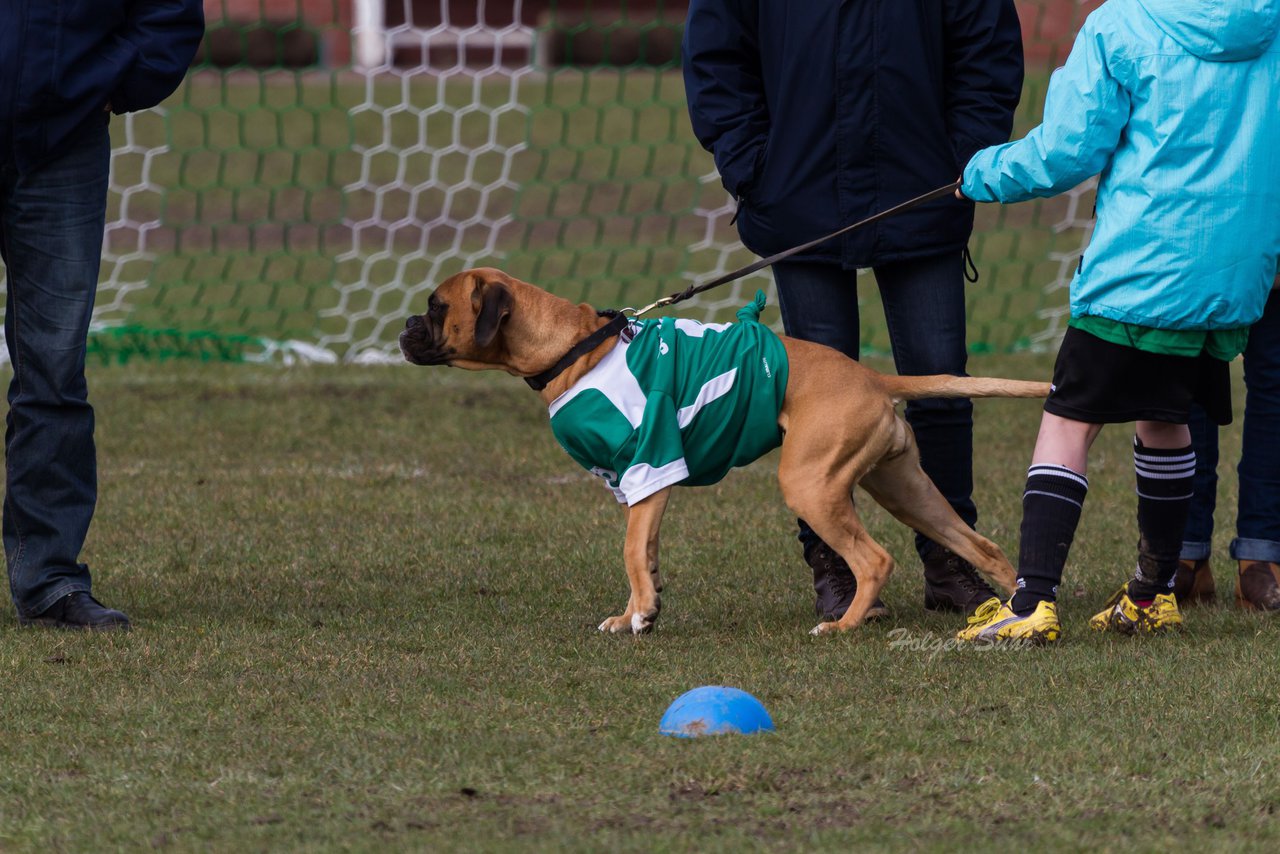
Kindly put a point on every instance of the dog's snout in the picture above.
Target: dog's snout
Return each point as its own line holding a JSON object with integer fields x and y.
{"x": 413, "y": 321}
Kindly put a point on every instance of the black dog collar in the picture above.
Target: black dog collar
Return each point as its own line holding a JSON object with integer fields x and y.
{"x": 616, "y": 324}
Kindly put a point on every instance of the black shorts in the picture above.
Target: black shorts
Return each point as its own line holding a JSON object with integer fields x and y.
{"x": 1098, "y": 382}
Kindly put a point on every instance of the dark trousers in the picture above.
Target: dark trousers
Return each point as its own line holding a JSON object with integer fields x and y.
{"x": 924, "y": 308}
{"x": 1258, "y": 514}
{"x": 51, "y": 226}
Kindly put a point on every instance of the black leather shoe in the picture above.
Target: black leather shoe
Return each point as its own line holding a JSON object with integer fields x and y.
{"x": 79, "y": 611}
{"x": 952, "y": 584}
{"x": 834, "y": 584}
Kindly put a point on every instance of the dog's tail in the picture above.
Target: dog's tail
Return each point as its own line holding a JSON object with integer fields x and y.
{"x": 945, "y": 385}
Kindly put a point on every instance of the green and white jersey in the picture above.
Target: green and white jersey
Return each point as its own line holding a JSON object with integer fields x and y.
{"x": 676, "y": 401}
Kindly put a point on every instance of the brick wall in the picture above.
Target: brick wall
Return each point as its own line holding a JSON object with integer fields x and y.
{"x": 1048, "y": 25}
{"x": 328, "y": 20}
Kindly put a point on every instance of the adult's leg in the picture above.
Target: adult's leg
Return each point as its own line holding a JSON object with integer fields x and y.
{"x": 819, "y": 303}
{"x": 51, "y": 226}
{"x": 1197, "y": 542}
{"x": 1257, "y": 542}
{"x": 1193, "y": 582}
{"x": 1258, "y": 519}
{"x": 925, "y": 311}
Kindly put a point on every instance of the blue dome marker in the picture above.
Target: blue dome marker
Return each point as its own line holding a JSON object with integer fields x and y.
{"x": 715, "y": 710}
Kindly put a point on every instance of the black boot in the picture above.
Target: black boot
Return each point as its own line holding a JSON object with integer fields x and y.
{"x": 952, "y": 584}
{"x": 834, "y": 584}
{"x": 78, "y": 611}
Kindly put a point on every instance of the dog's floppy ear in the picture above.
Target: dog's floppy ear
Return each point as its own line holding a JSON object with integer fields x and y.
{"x": 495, "y": 306}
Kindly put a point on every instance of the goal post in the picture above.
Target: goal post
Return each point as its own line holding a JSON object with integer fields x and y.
{"x": 369, "y": 34}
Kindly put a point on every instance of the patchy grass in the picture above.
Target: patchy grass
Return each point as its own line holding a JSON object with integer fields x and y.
{"x": 365, "y": 603}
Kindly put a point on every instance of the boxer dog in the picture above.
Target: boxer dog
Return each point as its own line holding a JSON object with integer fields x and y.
{"x": 839, "y": 429}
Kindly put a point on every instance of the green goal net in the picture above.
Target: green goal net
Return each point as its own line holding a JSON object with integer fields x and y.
{"x": 327, "y": 162}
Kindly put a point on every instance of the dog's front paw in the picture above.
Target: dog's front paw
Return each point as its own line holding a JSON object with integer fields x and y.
{"x": 637, "y": 624}
{"x": 616, "y": 624}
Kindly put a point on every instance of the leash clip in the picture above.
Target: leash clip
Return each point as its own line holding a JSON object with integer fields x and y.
{"x": 636, "y": 312}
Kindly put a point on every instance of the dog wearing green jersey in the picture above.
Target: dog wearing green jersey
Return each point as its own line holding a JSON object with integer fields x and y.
{"x": 676, "y": 401}
{"x": 672, "y": 402}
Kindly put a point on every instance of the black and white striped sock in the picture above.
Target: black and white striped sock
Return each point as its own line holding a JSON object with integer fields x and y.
{"x": 1051, "y": 505}
{"x": 1165, "y": 486}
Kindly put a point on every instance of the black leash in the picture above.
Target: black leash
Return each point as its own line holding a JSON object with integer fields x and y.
{"x": 619, "y": 320}
{"x": 787, "y": 253}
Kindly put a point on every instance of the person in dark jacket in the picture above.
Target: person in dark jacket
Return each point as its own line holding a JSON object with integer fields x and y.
{"x": 822, "y": 113}
{"x": 64, "y": 68}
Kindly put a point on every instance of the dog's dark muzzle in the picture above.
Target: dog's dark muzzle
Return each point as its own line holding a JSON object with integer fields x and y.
{"x": 417, "y": 345}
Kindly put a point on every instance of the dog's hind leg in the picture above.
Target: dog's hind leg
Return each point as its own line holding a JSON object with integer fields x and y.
{"x": 640, "y": 553}
{"x": 826, "y": 503}
{"x": 871, "y": 566}
{"x": 900, "y": 486}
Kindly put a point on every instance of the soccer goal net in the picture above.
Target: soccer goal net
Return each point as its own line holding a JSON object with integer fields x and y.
{"x": 327, "y": 162}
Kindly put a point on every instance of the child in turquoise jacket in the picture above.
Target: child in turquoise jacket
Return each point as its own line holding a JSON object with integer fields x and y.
{"x": 1175, "y": 105}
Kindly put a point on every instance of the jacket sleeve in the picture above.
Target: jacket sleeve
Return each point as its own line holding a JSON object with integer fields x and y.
{"x": 1085, "y": 112}
{"x": 725, "y": 89}
{"x": 163, "y": 36}
{"x": 984, "y": 68}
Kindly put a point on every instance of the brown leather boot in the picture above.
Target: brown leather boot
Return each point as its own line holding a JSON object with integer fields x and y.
{"x": 952, "y": 584}
{"x": 1258, "y": 585}
{"x": 835, "y": 584}
{"x": 1193, "y": 584}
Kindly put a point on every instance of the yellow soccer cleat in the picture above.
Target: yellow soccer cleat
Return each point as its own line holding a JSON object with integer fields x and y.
{"x": 1121, "y": 614}
{"x": 995, "y": 621}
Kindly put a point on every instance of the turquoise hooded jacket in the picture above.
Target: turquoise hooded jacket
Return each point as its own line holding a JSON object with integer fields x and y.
{"x": 1176, "y": 105}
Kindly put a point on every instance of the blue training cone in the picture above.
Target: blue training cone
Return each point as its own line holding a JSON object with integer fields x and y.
{"x": 715, "y": 710}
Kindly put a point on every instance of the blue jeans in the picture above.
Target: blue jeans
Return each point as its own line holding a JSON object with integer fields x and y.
{"x": 51, "y": 225}
{"x": 1258, "y": 513}
{"x": 925, "y": 312}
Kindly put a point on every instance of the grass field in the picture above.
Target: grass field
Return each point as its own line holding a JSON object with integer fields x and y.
{"x": 365, "y": 603}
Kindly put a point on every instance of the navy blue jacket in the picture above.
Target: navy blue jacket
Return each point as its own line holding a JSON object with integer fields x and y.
{"x": 822, "y": 112}
{"x": 62, "y": 62}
